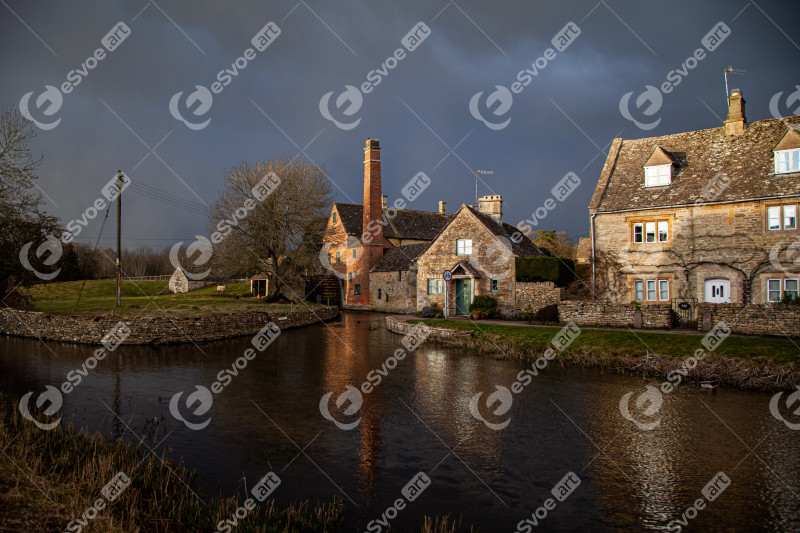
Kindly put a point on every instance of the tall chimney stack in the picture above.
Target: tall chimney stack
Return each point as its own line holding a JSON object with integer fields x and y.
{"x": 442, "y": 208}
{"x": 736, "y": 122}
{"x": 373, "y": 208}
{"x": 372, "y": 226}
{"x": 492, "y": 205}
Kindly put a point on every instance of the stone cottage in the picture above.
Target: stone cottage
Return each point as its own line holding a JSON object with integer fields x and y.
{"x": 480, "y": 251}
{"x": 702, "y": 216}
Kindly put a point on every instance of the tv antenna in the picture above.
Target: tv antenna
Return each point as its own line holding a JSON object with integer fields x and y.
{"x": 731, "y": 70}
{"x": 476, "y": 183}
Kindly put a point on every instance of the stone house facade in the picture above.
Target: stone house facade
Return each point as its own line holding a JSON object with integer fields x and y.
{"x": 480, "y": 251}
{"x": 709, "y": 216}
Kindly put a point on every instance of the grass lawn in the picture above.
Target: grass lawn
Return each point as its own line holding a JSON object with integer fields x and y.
{"x": 753, "y": 349}
{"x": 146, "y": 298}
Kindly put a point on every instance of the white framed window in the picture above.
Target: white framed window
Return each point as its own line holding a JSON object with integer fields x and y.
{"x": 773, "y": 290}
{"x": 435, "y": 286}
{"x": 638, "y": 290}
{"x": 663, "y": 231}
{"x": 650, "y": 232}
{"x": 464, "y": 246}
{"x": 657, "y": 175}
{"x": 789, "y": 216}
{"x": 790, "y": 287}
{"x": 774, "y": 217}
{"x": 651, "y": 290}
{"x": 663, "y": 290}
{"x": 787, "y": 161}
{"x": 638, "y": 232}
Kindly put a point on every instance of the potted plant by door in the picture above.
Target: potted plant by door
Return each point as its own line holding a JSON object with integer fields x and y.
{"x": 476, "y": 314}
{"x": 485, "y": 304}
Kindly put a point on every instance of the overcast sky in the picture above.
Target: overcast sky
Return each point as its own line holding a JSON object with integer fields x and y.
{"x": 119, "y": 115}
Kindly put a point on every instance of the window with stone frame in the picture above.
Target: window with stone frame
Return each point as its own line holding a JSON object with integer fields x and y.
{"x": 650, "y": 231}
{"x": 435, "y": 286}
{"x": 463, "y": 246}
{"x": 781, "y": 217}
{"x": 651, "y": 290}
{"x": 334, "y": 217}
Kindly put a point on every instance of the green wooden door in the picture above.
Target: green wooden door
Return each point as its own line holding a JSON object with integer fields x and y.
{"x": 463, "y": 295}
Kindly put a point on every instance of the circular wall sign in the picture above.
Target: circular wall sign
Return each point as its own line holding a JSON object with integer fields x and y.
{"x": 447, "y": 276}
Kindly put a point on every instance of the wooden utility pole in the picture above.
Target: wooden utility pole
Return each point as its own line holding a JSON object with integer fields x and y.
{"x": 119, "y": 233}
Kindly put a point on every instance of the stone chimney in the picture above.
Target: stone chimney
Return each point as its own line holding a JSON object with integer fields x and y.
{"x": 492, "y": 205}
{"x": 442, "y": 208}
{"x": 736, "y": 122}
{"x": 384, "y": 201}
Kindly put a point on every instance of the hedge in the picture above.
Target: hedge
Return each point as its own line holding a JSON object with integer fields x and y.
{"x": 556, "y": 269}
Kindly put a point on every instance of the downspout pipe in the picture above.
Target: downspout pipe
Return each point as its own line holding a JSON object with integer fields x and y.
{"x": 594, "y": 268}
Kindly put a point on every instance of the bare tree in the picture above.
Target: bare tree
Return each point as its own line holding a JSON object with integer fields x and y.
{"x": 277, "y": 234}
{"x": 22, "y": 219}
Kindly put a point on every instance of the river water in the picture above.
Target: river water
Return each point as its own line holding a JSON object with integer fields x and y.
{"x": 418, "y": 420}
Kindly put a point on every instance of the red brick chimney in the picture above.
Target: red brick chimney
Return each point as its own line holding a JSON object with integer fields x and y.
{"x": 373, "y": 205}
{"x": 372, "y": 227}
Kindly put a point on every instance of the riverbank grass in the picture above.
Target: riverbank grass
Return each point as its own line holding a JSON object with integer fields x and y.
{"x": 145, "y": 298}
{"x": 674, "y": 345}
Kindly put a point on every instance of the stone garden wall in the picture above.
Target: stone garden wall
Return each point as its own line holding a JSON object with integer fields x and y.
{"x": 607, "y": 314}
{"x": 753, "y": 319}
{"x": 154, "y": 330}
{"x": 536, "y": 294}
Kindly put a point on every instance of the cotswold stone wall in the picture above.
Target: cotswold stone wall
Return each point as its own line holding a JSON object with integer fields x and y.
{"x": 396, "y": 295}
{"x": 444, "y": 335}
{"x": 536, "y": 294}
{"x": 753, "y": 319}
{"x": 154, "y": 330}
{"x": 606, "y": 314}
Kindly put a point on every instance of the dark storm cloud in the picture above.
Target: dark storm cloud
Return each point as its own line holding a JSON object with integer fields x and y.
{"x": 563, "y": 121}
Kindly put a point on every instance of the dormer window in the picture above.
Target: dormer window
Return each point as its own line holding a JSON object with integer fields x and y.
{"x": 787, "y": 161}
{"x": 658, "y": 169}
{"x": 787, "y": 153}
{"x": 657, "y": 176}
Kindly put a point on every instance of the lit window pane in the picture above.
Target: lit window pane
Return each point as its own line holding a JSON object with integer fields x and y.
{"x": 650, "y": 231}
{"x": 638, "y": 290}
{"x": 638, "y": 233}
{"x": 789, "y": 216}
{"x": 663, "y": 231}
{"x": 663, "y": 290}
{"x": 774, "y": 290}
{"x": 651, "y": 290}
{"x": 774, "y": 217}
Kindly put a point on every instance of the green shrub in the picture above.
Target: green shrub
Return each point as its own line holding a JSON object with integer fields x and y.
{"x": 484, "y": 304}
{"x": 556, "y": 269}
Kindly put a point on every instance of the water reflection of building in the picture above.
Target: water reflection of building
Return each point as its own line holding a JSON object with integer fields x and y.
{"x": 347, "y": 359}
